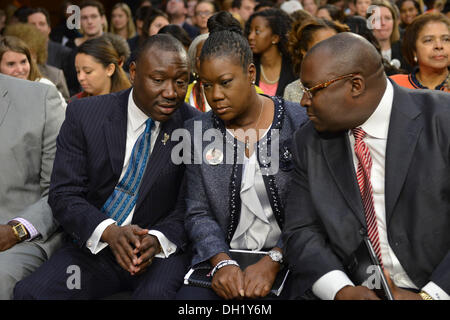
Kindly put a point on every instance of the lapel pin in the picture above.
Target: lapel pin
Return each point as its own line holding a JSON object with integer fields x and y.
{"x": 214, "y": 156}
{"x": 165, "y": 139}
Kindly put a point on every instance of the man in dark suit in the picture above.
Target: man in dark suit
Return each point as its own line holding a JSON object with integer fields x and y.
{"x": 402, "y": 183}
{"x": 96, "y": 162}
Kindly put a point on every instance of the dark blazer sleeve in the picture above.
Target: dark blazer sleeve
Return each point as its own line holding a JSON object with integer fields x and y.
{"x": 305, "y": 241}
{"x": 205, "y": 233}
{"x": 69, "y": 181}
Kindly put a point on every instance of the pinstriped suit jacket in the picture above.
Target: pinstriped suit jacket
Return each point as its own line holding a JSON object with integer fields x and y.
{"x": 88, "y": 164}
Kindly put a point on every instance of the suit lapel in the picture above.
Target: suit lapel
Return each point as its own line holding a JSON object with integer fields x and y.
{"x": 338, "y": 156}
{"x": 4, "y": 104}
{"x": 159, "y": 157}
{"x": 404, "y": 131}
{"x": 116, "y": 133}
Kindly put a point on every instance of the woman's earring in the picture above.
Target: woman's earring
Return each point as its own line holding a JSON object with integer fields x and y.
{"x": 253, "y": 82}
{"x": 415, "y": 59}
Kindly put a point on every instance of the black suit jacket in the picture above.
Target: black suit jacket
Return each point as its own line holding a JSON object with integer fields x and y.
{"x": 325, "y": 218}
{"x": 89, "y": 161}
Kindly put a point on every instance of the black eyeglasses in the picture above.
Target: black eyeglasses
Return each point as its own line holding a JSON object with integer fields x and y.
{"x": 309, "y": 92}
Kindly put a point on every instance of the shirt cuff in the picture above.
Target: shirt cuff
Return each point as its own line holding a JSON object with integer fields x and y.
{"x": 329, "y": 284}
{"x": 30, "y": 228}
{"x": 167, "y": 246}
{"x": 93, "y": 243}
{"x": 435, "y": 291}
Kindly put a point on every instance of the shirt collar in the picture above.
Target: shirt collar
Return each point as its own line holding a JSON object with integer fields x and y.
{"x": 378, "y": 123}
{"x": 137, "y": 118}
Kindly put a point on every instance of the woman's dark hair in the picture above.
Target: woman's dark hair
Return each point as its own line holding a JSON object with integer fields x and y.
{"x": 413, "y": 30}
{"x": 399, "y": 4}
{"x": 102, "y": 50}
{"x": 301, "y": 36}
{"x": 280, "y": 24}
{"x": 177, "y": 32}
{"x": 336, "y": 14}
{"x": 226, "y": 40}
{"x": 152, "y": 14}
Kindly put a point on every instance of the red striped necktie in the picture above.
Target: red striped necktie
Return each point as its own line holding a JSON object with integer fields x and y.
{"x": 363, "y": 175}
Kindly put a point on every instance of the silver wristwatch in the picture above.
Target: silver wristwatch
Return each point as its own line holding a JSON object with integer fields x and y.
{"x": 275, "y": 255}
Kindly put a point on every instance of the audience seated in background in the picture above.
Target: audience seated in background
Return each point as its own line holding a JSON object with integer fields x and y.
{"x": 426, "y": 46}
{"x": 177, "y": 32}
{"x": 122, "y": 21}
{"x": 16, "y": 60}
{"x": 203, "y": 10}
{"x": 266, "y": 32}
{"x": 37, "y": 43}
{"x": 177, "y": 12}
{"x": 59, "y": 56}
{"x": 301, "y": 38}
{"x": 98, "y": 70}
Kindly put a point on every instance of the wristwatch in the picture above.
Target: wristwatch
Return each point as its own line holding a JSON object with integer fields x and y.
{"x": 425, "y": 296}
{"x": 19, "y": 230}
{"x": 275, "y": 255}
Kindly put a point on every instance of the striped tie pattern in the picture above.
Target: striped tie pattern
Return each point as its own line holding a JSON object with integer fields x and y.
{"x": 123, "y": 199}
{"x": 363, "y": 175}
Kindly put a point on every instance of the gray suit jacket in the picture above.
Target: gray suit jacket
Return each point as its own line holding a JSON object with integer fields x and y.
{"x": 325, "y": 220}
{"x": 30, "y": 117}
{"x": 208, "y": 220}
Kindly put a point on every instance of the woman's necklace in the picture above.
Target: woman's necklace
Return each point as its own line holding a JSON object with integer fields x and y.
{"x": 247, "y": 140}
{"x": 266, "y": 80}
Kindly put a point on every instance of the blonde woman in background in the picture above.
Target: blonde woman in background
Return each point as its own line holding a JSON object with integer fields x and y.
{"x": 122, "y": 21}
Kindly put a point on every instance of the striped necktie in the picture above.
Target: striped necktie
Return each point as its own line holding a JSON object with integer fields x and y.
{"x": 124, "y": 197}
{"x": 363, "y": 175}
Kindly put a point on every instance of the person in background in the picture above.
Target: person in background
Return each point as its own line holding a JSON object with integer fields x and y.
{"x": 301, "y": 38}
{"x": 17, "y": 60}
{"x": 426, "y": 46}
{"x": 91, "y": 22}
{"x": 266, "y": 32}
{"x": 242, "y": 10}
{"x": 361, "y": 7}
{"x": 62, "y": 33}
{"x": 239, "y": 204}
{"x": 177, "y": 12}
{"x": 409, "y": 9}
{"x": 155, "y": 20}
{"x": 122, "y": 21}
{"x": 311, "y": 6}
{"x": 121, "y": 46}
{"x": 177, "y": 32}
{"x": 330, "y": 12}
{"x": 388, "y": 34}
{"x": 58, "y": 55}
{"x": 190, "y": 11}
{"x": 31, "y": 115}
{"x": 267, "y": 4}
{"x": 98, "y": 70}
{"x": 36, "y": 42}
{"x": 203, "y": 10}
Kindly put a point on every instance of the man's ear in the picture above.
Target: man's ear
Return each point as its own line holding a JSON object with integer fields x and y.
{"x": 132, "y": 71}
{"x": 358, "y": 85}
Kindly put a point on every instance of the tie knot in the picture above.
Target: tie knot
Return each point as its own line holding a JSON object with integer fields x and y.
{"x": 358, "y": 133}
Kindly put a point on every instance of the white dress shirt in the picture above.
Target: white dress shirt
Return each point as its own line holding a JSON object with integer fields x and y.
{"x": 135, "y": 126}
{"x": 376, "y": 128}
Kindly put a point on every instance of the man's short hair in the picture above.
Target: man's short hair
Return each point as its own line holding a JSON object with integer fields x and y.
{"x": 93, "y": 3}
{"x": 40, "y": 10}
{"x": 165, "y": 42}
